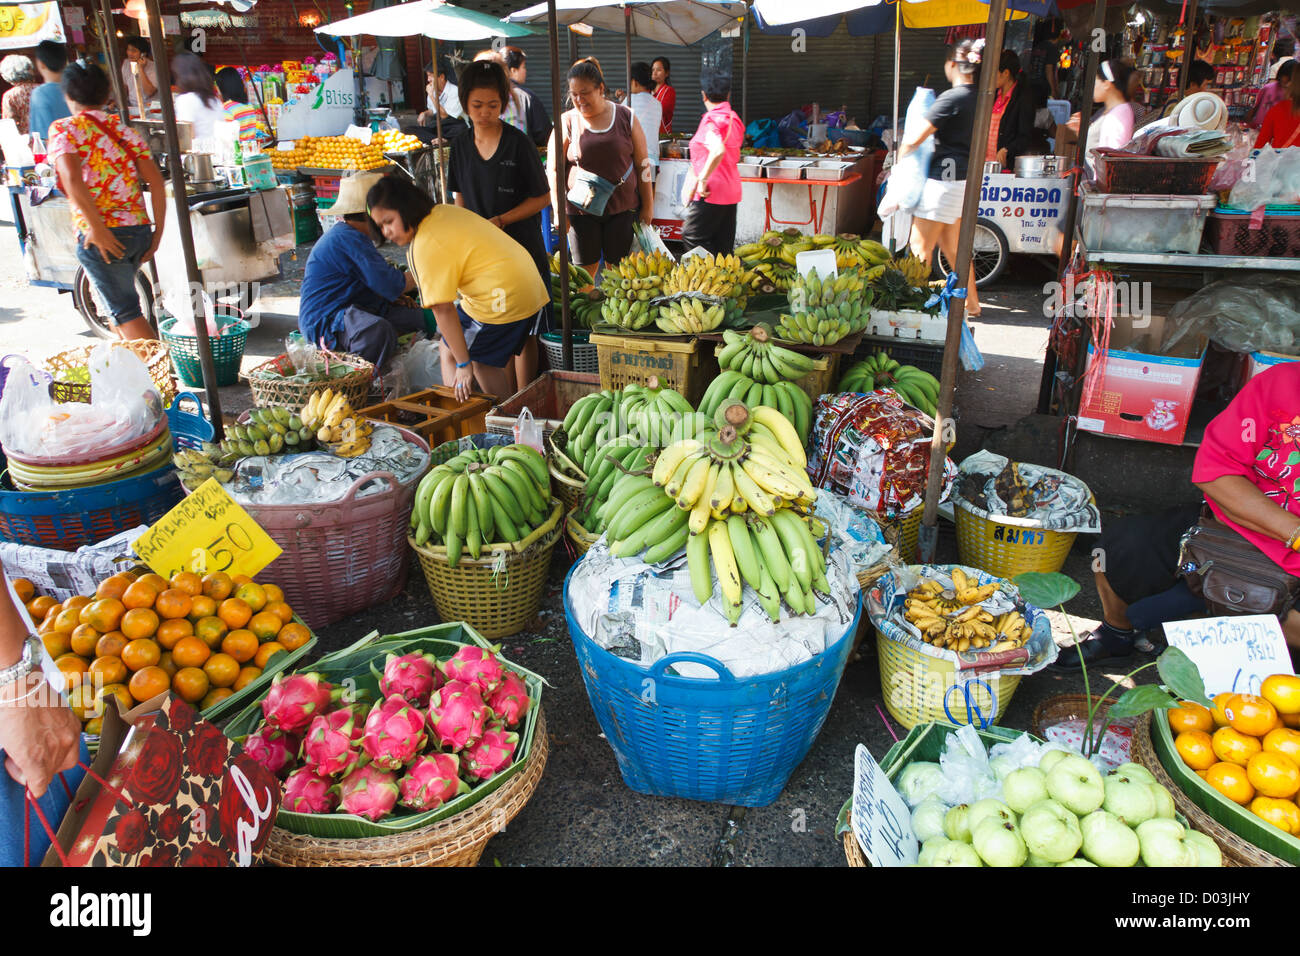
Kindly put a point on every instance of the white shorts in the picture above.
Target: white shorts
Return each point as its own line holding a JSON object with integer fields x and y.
{"x": 941, "y": 201}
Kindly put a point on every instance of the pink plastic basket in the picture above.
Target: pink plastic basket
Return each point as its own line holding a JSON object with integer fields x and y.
{"x": 343, "y": 556}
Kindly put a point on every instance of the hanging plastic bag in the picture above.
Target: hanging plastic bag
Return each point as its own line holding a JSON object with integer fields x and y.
{"x": 528, "y": 431}
{"x": 907, "y": 178}
{"x": 423, "y": 366}
{"x": 649, "y": 241}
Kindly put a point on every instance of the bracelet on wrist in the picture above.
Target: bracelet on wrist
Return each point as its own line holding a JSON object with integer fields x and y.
{"x": 464, "y": 364}
{"x": 1293, "y": 542}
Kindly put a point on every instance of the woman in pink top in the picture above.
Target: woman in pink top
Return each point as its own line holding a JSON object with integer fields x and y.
{"x": 711, "y": 190}
{"x": 1248, "y": 469}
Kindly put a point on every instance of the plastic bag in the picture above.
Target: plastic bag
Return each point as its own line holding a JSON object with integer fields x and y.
{"x": 301, "y": 352}
{"x": 907, "y": 178}
{"x": 1250, "y": 314}
{"x": 792, "y": 129}
{"x": 528, "y": 431}
{"x": 1272, "y": 179}
{"x": 649, "y": 241}
{"x": 763, "y": 134}
{"x": 125, "y": 405}
{"x": 423, "y": 368}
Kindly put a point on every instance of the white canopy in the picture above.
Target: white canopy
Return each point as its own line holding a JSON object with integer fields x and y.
{"x": 430, "y": 18}
{"x": 679, "y": 22}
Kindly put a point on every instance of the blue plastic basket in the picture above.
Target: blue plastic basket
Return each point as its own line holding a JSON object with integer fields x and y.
{"x": 189, "y": 429}
{"x": 733, "y": 741}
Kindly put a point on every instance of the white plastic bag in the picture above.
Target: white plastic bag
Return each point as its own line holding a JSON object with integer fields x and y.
{"x": 908, "y": 175}
{"x": 423, "y": 369}
{"x": 528, "y": 431}
{"x": 649, "y": 241}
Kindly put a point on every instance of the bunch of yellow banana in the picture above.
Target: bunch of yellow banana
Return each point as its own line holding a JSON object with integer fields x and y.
{"x": 329, "y": 414}
{"x": 916, "y": 272}
{"x": 690, "y": 316}
{"x": 958, "y": 622}
{"x": 721, "y": 275}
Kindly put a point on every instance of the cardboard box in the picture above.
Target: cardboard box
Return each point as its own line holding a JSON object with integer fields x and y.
{"x": 1066, "y": 139}
{"x": 1142, "y": 393}
{"x": 1257, "y": 362}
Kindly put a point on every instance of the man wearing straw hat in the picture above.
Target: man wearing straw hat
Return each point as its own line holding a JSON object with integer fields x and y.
{"x": 349, "y": 291}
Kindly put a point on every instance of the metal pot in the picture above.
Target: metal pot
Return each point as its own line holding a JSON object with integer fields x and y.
{"x": 206, "y": 185}
{"x": 198, "y": 167}
{"x": 1031, "y": 167}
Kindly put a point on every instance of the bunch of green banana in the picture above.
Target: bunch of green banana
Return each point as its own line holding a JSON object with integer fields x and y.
{"x": 482, "y": 496}
{"x": 826, "y": 309}
{"x": 690, "y": 315}
{"x": 270, "y": 431}
{"x": 579, "y": 278}
{"x": 630, "y": 417}
{"x": 610, "y": 468}
{"x": 585, "y": 310}
{"x": 786, "y": 397}
{"x": 754, "y": 355}
{"x": 915, "y": 386}
{"x": 196, "y": 467}
{"x": 629, "y": 314}
{"x": 774, "y": 275}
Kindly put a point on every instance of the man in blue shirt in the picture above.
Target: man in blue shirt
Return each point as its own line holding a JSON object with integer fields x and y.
{"x": 48, "y": 103}
{"x": 349, "y": 290}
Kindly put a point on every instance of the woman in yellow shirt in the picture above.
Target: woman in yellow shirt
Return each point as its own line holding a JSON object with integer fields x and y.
{"x": 485, "y": 292}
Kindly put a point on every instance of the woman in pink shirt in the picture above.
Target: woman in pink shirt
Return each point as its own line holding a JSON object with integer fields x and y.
{"x": 711, "y": 190}
{"x": 1248, "y": 469}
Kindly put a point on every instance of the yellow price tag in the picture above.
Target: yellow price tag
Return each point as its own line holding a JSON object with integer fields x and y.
{"x": 207, "y": 532}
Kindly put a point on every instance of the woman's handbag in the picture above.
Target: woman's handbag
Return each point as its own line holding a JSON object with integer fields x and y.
{"x": 1231, "y": 575}
{"x": 591, "y": 193}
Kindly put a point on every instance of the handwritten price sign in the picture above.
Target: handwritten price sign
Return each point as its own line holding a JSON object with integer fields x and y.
{"x": 882, "y": 823}
{"x": 1232, "y": 653}
{"x": 207, "y": 532}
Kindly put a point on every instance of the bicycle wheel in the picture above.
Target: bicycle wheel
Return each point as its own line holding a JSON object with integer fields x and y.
{"x": 988, "y": 256}
{"x": 99, "y": 321}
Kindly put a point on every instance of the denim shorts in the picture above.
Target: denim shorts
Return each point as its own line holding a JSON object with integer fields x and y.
{"x": 114, "y": 282}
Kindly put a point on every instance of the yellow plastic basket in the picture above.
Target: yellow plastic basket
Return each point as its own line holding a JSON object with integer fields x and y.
{"x": 1005, "y": 550}
{"x": 908, "y": 530}
{"x": 632, "y": 360}
{"x": 915, "y": 685}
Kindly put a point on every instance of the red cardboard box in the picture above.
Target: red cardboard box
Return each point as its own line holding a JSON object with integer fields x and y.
{"x": 1142, "y": 393}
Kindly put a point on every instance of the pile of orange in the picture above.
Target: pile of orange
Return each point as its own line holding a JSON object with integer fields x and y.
{"x": 203, "y": 638}
{"x": 1247, "y": 747}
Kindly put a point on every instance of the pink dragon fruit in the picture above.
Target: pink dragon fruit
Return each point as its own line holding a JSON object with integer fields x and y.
{"x": 431, "y": 781}
{"x": 294, "y": 701}
{"x": 394, "y": 734}
{"x": 492, "y": 754}
{"x": 332, "y": 742}
{"x": 306, "y": 791}
{"x": 476, "y": 665}
{"x": 413, "y": 676}
{"x": 510, "y": 700}
{"x": 457, "y": 714}
{"x": 368, "y": 792}
{"x": 273, "y": 749}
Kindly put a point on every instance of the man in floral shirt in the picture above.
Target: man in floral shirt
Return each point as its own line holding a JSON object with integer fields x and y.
{"x": 104, "y": 167}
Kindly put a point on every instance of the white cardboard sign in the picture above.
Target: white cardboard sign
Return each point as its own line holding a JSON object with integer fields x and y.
{"x": 823, "y": 260}
{"x": 881, "y": 821}
{"x": 1232, "y": 653}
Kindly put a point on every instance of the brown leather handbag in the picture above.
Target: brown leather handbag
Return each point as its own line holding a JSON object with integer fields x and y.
{"x": 1231, "y": 575}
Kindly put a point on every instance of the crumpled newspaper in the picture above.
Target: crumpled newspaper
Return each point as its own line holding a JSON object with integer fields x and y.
{"x": 317, "y": 477}
{"x": 1061, "y": 502}
{"x": 853, "y": 531}
{"x": 643, "y": 613}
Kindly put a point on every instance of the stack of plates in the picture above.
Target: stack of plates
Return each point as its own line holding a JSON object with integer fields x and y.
{"x": 120, "y": 461}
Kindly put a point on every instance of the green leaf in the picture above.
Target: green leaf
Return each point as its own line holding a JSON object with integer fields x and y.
{"x": 1139, "y": 700}
{"x": 1045, "y": 590}
{"x": 1181, "y": 676}
{"x": 1264, "y": 454}
{"x": 1293, "y": 458}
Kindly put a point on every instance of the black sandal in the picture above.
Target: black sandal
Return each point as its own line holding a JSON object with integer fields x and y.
{"x": 1104, "y": 643}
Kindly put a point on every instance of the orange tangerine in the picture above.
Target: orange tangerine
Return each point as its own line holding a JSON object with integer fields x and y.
{"x": 155, "y": 581}
{"x": 173, "y": 603}
{"x": 104, "y": 615}
{"x": 265, "y": 624}
{"x": 1283, "y": 741}
{"x": 222, "y": 670}
{"x": 83, "y": 701}
{"x": 241, "y": 645}
{"x": 114, "y": 586}
{"x": 111, "y": 644}
{"x": 1220, "y": 718}
{"x": 1231, "y": 781}
{"x": 148, "y": 682}
{"x": 190, "y": 652}
{"x": 69, "y": 620}
{"x": 211, "y": 630}
{"x": 38, "y": 607}
{"x": 172, "y": 630}
{"x": 140, "y": 594}
{"x": 216, "y": 695}
{"x": 94, "y": 727}
{"x": 142, "y": 652}
{"x": 273, "y": 592}
{"x": 1202, "y": 774}
{"x": 119, "y": 691}
{"x": 280, "y": 610}
{"x": 1273, "y": 775}
{"x": 202, "y": 606}
{"x": 189, "y": 582}
{"x": 254, "y": 595}
{"x": 1196, "y": 749}
{"x": 235, "y": 612}
{"x": 73, "y": 667}
{"x": 1291, "y": 720}
{"x": 47, "y": 623}
{"x": 240, "y": 579}
{"x": 1232, "y": 746}
{"x": 167, "y": 664}
{"x": 1283, "y": 814}
{"x": 1190, "y": 716}
{"x": 246, "y": 676}
{"x": 78, "y": 601}
{"x": 293, "y": 636}
{"x": 266, "y": 652}
{"x": 1283, "y": 692}
{"x": 108, "y": 670}
{"x": 56, "y": 644}
{"x": 24, "y": 589}
{"x": 218, "y": 585}
{"x": 1250, "y": 714}
{"x": 190, "y": 684}
{"x": 83, "y": 640}
{"x": 139, "y": 622}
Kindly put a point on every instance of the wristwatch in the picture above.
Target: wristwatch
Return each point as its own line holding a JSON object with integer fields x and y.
{"x": 29, "y": 662}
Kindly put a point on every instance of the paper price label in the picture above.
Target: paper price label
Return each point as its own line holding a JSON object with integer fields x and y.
{"x": 1232, "y": 653}
{"x": 207, "y": 532}
{"x": 882, "y": 823}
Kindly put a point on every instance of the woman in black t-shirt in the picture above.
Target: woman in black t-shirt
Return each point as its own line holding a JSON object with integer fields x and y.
{"x": 936, "y": 219}
{"x": 496, "y": 171}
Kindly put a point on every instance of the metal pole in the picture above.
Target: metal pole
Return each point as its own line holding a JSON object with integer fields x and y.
{"x": 1189, "y": 49}
{"x": 114, "y": 61}
{"x": 898, "y": 66}
{"x": 744, "y": 67}
{"x": 561, "y": 212}
{"x": 627, "y": 46}
{"x": 437, "y": 121}
{"x": 994, "y": 34}
{"x": 159, "y": 45}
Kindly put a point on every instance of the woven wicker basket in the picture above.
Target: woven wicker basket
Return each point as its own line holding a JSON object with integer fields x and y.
{"x": 567, "y": 480}
{"x": 1063, "y": 707}
{"x": 500, "y": 593}
{"x": 853, "y": 852}
{"x": 153, "y": 353}
{"x": 1236, "y": 850}
{"x": 458, "y": 841}
{"x": 579, "y": 537}
{"x": 271, "y": 392}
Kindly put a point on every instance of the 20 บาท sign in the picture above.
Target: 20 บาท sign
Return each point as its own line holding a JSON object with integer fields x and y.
{"x": 207, "y": 532}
